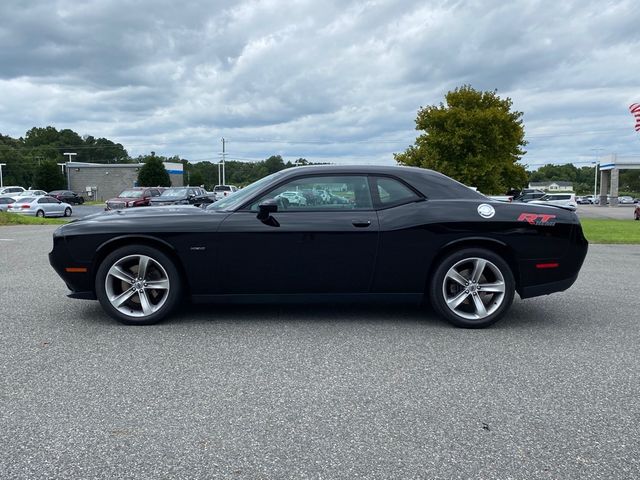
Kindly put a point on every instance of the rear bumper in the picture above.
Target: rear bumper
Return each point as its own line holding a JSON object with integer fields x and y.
{"x": 547, "y": 288}
{"x": 542, "y": 276}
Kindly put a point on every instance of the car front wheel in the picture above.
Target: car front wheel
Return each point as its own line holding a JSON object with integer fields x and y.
{"x": 138, "y": 285}
{"x": 67, "y": 212}
{"x": 472, "y": 288}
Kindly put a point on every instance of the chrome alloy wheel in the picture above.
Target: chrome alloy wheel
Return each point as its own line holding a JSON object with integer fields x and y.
{"x": 137, "y": 285}
{"x": 473, "y": 288}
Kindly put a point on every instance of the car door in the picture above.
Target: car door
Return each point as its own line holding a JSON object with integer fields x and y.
{"x": 301, "y": 249}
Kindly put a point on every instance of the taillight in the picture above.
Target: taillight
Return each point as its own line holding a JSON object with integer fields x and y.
{"x": 10, "y": 205}
{"x": 26, "y": 205}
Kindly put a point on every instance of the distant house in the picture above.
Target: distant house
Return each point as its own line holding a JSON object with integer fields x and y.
{"x": 553, "y": 186}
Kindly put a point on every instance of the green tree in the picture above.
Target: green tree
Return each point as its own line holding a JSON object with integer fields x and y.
{"x": 196, "y": 179}
{"x": 49, "y": 177}
{"x": 475, "y": 138}
{"x": 153, "y": 173}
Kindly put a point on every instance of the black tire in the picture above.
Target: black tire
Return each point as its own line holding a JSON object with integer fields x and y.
{"x": 67, "y": 212}
{"x": 160, "y": 269}
{"x": 40, "y": 214}
{"x": 464, "y": 311}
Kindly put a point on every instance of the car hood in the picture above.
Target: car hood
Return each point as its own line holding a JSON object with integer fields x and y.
{"x": 143, "y": 220}
{"x": 168, "y": 199}
{"x": 124, "y": 199}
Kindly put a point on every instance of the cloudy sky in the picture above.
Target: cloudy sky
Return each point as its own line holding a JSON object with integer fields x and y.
{"x": 325, "y": 80}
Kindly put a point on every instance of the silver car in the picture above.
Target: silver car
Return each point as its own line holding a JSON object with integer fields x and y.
{"x": 40, "y": 207}
{"x": 5, "y": 202}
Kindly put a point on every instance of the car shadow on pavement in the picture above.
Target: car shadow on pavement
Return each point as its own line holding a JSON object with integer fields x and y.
{"x": 523, "y": 314}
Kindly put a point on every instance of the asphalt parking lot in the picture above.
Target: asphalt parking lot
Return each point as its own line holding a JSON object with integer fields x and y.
{"x": 552, "y": 391}
{"x": 620, "y": 212}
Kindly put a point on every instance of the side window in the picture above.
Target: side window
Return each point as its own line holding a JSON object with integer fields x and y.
{"x": 393, "y": 192}
{"x": 344, "y": 192}
{"x": 155, "y": 193}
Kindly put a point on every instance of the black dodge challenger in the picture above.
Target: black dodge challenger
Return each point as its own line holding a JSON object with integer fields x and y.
{"x": 325, "y": 233}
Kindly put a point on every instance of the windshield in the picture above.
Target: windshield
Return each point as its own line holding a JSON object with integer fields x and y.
{"x": 131, "y": 194}
{"x": 174, "y": 192}
{"x": 241, "y": 196}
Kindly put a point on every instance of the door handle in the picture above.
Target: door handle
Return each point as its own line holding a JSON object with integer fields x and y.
{"x": 361, "y": 223}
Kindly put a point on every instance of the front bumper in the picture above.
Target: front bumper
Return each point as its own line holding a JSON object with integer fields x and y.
{"x": 78, "y": 276}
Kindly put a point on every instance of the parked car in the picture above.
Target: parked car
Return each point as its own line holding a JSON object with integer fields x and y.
{"x": 586, "y": 200}
{"x": 636, "y": 212}
{"x": 625, "y": 200}
{"x": 11, "y": 191}
{"x": 501, "y": 198}
{"x": 430, "y": 238}
{"x": 5, "y": 202}
{"x": 561, "y": 199}
{"x": 40, "y": 207}
{"x": 67, "y": 196}
{"x": 221, "y": 191}
{"x": 529, "y": 195}
{"x": 133, "y": 197}
{"x": 32, "y": 193}
{"x": 182, "y": 196}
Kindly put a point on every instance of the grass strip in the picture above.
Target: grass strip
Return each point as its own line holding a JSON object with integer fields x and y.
{"x": 17, "y": 219}
{"x": 605, "y": 230}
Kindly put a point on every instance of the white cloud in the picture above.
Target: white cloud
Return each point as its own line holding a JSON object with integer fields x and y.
{"x": 340, "y": 80}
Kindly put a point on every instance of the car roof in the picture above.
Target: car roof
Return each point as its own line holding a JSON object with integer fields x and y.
{"x": 430, "y": 183}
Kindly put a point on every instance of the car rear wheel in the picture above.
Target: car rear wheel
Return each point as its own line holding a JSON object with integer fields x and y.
{"x": 138, "y": 285}
{"x": 472, "y": 288}
{"x": 67, "y": 212}
{"x": 40, "y": 213}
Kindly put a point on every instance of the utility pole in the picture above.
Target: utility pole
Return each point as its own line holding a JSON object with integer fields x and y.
{"x": 1, "y": 165}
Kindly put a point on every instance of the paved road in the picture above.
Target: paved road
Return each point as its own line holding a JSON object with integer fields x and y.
{"x": 80, "y": 211}
{"x": 620, "y": 212}
{"x": 552, "y": 391}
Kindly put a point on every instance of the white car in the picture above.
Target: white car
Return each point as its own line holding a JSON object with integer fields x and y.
{"x": 31, "y": 193}
{"x": 11, "y": 191}
{"x": 626, "y": 200}
{"x": 560, "y": 199}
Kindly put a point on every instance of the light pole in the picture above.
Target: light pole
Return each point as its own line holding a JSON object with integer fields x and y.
{"x": 595, "y": 175}
{"x": 1, "y": 165}
{"x": 595, "y": 180}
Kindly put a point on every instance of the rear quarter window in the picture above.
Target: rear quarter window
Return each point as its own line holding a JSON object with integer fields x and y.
{"x": 393, "y": 192}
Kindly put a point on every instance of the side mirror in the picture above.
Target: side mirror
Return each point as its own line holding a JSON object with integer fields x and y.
{"x": 267, "y": 207}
